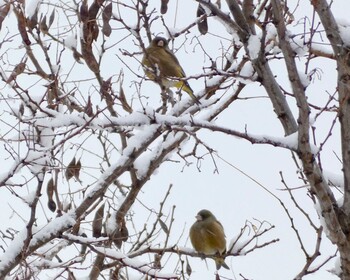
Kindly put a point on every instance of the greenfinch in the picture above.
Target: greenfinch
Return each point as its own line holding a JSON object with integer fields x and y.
{"x": 161, "y": 65}
{"x": 208, "y": 237}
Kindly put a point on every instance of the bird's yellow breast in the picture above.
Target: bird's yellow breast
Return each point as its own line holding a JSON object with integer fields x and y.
{"x": 208, "y": 238}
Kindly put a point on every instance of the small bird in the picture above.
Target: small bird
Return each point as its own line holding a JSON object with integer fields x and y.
{"x": 208, "y": 237}
{"x": 159, "y": 62}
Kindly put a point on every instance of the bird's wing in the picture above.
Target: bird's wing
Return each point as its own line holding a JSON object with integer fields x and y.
{"x": 175, "y": 70}
{"x": 221, "y": 227}
{"x": 216, "y": 229}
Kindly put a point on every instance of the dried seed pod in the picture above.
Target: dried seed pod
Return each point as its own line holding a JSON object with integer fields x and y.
{"x": 106, "y": 17}
{"x": 50, "y": 189}
{"x": 84, "y": 11}
{"x": 51, "y": 205}
{"x": 164, "y": 6}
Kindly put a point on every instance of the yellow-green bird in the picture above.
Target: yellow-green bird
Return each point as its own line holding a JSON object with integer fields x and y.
{"x": 159, "y": 62}
{"x": 208, "y": 237}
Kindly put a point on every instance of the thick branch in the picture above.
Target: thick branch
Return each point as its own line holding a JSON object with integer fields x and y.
{"x": 311, "y": 169}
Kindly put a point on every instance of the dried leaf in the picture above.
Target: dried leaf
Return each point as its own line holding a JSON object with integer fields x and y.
{"x": 255, "y": 229}
{"x": 164, "y": 6}
{"x": 203, "y": 24}
{"x": 32, "y": 22}
{"x": 88, "y": 107}
{"x": 188, "y": 267}
{"x": 97, "y": 267}
{"x": 21, "y": 22}
{"x": 124, "y": 233}
{"x": 121, "y": 234}
{"x": 70, "y": 169}
{"x": 106, "y": 91}
{"x": 89, "y": 57}
{"x": 19, "y": 69}
{"x": 52, "y": 18}
{"x": 4, "y": 10}
{"x": 77, "y": 170}
{"x": 21, "y": 109}
{"x": 163, "y": 226}
{"x": 43, "y": 26}
{"x": 97, "y": 222}
{"x": 122, "y": 99}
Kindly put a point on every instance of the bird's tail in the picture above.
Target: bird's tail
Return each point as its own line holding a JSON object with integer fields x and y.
{"x": 220, "y": 262}
{"x": 186, "y": 87}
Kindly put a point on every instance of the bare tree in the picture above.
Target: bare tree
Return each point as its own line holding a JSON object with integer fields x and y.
{"x": 81, "y": 138}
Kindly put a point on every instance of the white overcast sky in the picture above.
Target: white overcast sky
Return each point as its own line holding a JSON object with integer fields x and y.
{"x": 231, "y": 195}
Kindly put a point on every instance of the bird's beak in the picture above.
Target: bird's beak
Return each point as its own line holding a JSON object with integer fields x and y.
{"x": 199, "y": 217}
{"x": 160, "y": 43}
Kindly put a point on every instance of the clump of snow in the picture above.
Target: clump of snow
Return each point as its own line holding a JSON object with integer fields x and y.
{"x": 271, "y": 32}
{"x": 305, "y": 79}
{"x": 236, "y": 245}
{"x": 32, "y": 7}
{"x": 322, "y": 220}
{"x": 71, "y": 41}
{"x": 111, "y": 224}
{"x": 13, "y": 250}
{"x": 213, "y": 81}
{"x": 53, "y": 228}
{"x": 37, "y": 160}
{"x": 334, "y": 179}
{"x": 297, "y": 44}
{"x": 254, "y": 46}
{"x": 247, "y": 71}
{"x": 55, "y": 68}
{"x": 337, "y": 267}
{"x": 344, "y": 30}
{"x": 30, "y": 197}
{"x": 135, "y": 263}
{"x": 172, "y": 31}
